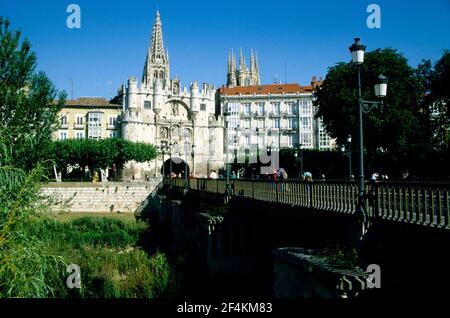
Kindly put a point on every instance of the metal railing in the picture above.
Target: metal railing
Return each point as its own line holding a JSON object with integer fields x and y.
{"x": 419, "y": 203}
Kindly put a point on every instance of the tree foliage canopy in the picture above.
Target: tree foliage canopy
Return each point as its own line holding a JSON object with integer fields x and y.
{"x": 103, "y": 153}
{"x": 397, "y": 132}
{"x": 27, "y": 107}
{"x": 400, "y": 126}
{"x": 439, "y": 89}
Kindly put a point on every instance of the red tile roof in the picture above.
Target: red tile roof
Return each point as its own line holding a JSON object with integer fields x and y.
{"x": 269, "y": 89}
{"x": 90, "y": 101}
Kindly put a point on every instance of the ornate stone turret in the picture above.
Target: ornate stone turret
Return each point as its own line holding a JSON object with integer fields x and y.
{"x": 195, "y": 103}
{"x": 132, "y": 93}
{"x": 157, "y": 62}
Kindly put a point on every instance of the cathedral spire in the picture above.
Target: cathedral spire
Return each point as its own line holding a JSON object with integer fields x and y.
{"x": 258, "y": 79}
{"x": 231, "y": 76}
{"x": 252, "y": 62}
{"x": 242, "y": 65}
{"x": 157, "y": 62}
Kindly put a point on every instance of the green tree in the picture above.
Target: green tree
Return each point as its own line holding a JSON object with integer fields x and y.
{"x": 102, "y": 153}
{"x": 439, "y": 84}
{"x": 392, "y": 134}
{"x": 27, "y": 107}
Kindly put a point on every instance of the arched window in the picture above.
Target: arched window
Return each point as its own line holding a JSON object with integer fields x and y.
{"x": 161, "y": 74}
{"x": 156, "y": 74}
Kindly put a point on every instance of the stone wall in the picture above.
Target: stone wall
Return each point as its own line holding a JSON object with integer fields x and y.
{"x": 299, "y": 273}
{"x": 97, "y": 197}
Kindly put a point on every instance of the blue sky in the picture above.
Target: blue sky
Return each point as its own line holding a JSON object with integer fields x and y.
{"x": 306, "y": 36}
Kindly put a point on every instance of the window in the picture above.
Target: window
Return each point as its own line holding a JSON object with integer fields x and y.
{"x": 80, "y": 120}
{"x": 290, "y": 140}
{"x": 62, "y": 135}
{"x": 247, "y": 109}
{"x": 63, "y": 120}
{"x": 112, "y": 134}
{"x": 147, "y": 104}
{"x": 276, "y": 108}
{"x": 260, "y": 123}
{"x": 261, "y": 109}
{"x": 234, "y": 122}
{"x": 261, "y": 140}
{"x": 276, "y": 123}
{"x": 291, "y": 123}
{"x": 306, "y": 140}
{"x": 290, "y": 108}
{"x": 247, "y": 141}
{"x": 95, "y": 125}
{"x": 306, "y": 123}
{"x": 80, "y": 135}
{"x": 203, "y": 107}
{"x": 305, "y": 107}
{"x": 112, "y": 121}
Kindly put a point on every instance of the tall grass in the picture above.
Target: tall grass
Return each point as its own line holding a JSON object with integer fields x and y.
{"x": 24, "y": 262}
{"x": 36, "y": 249}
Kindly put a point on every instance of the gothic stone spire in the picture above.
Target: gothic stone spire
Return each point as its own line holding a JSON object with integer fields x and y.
{"x": 157, "y": 62}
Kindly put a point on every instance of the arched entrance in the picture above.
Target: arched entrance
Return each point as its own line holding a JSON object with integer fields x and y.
{"x": 178, "y": 166}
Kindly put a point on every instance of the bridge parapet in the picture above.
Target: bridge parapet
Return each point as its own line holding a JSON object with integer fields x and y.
{"x": 420, "y": 203}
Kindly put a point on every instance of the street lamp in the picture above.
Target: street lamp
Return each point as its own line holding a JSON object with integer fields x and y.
{"x": 193, "y": 158}
{"x": 298, "y": 150}
{"x": 170, "y": 154}
{"x": 186, "y": 150}
{"x": 347, "y": 151}
{"x": 226, "y": 115}
{"x": 357, "y": 50}
{"x": 163, "y": 148}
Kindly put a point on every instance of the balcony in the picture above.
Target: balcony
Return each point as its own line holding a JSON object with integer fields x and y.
{"x": 246, "y": 116}
{"x": 78, "y": 126}
{"x": 274, "y": 115}
{"x": 64, "y": 126}
{"x": 288, "y": 115}
{"x": 289, "y": 130}
{"x": 260, "y": 114}
{"x": 111, "y": 127}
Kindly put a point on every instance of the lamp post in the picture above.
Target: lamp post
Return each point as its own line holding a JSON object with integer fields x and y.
{"x": 186, "y": 150}
{"x": 163, "y": 148}
{"x": 170, "y": 154}
{"x": 193, "y": 159}
{"x": 226, "y": 115}
{"x": 357, "y": 50}
{"x": 298, "y": 150}
{"x": 347, "y": 151}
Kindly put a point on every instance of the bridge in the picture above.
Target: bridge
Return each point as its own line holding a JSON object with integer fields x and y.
{"x": 253, "y": 237}
{"x": 420, "y": 203}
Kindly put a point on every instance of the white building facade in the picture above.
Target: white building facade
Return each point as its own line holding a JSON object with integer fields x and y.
{"x": 277, "y": 116}
{"x": 181, "y": 122}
